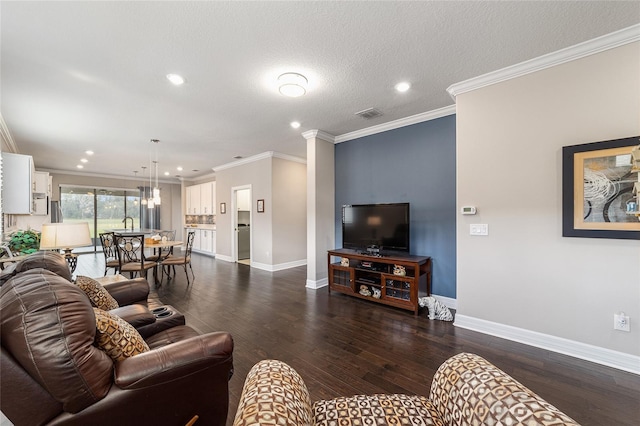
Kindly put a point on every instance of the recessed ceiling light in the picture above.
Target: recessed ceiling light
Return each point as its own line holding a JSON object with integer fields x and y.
{"x": 403, "y": 87}
{"x": 84, "y": 160}
{"x": 89, "y": 152}
{"x": 292, "y": 84}
{"x": 167, "y": 173}
{"x": 175, "y": 79}
{"x": 295, "y": 124}
{"x": 80, "y": 166}
{"x": 179, "y": 168}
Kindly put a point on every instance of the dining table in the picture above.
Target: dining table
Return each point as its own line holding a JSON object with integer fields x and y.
{"x": 157, "y": 246}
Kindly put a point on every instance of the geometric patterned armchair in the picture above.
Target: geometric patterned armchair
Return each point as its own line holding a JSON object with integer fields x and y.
{"x": 466, "y": 390}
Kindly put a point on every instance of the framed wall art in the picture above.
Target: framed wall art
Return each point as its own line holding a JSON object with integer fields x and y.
{"x": 600, "y": 186}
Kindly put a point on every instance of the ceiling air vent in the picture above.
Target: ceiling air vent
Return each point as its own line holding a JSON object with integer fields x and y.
{"x": 369, "y": 113}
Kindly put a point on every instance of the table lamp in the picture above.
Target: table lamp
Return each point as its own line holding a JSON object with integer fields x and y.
{"x": 65, "y": 236}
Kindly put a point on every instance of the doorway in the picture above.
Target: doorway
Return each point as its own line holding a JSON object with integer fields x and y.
{"x": 241, "y": 208}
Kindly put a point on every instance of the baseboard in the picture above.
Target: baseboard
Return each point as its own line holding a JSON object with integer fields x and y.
{"x": 608, "y": 357}
{"x": 447, "y": 301}
{"x": 224, "y": 258}
{"x": 317, "y": 284}
{"x": 279, "y": 266}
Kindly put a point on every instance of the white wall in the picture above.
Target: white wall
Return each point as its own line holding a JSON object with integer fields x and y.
{"x": 289, "y": 212}
{"x": 320, "y": 205}
{"x": 279, "y": 234}
{"x": 258, "y": 175}
{"x": 524, "y": 274}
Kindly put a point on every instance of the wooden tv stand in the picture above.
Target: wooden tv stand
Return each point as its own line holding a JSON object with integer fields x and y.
{"x": 372, "y": 277}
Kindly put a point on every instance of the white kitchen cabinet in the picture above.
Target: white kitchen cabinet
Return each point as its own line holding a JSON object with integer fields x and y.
{"x": 41, "y": 193}
{"x": 205, "y": 241}
{"x": 201, "y": 199}
{"x": 243, "y": 199}
{"x": 193, "y": 199}
{"x": 206, "y": 198}
{"x": 196, "y": 239}
{"x": 18, "y": 183}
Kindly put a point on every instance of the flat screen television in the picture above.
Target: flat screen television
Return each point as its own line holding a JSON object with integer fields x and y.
{"x": 376, "y": 227}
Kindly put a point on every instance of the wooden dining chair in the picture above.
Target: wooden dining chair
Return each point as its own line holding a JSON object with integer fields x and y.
{"x": 131, "y": 255}
{"x": 110, "y": 251}
{"x": 184, "y": 261}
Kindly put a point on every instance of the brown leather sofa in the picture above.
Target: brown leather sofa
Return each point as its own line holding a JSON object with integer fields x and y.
{"x": 54, "y": 374}
{"x": 139, "y": 305}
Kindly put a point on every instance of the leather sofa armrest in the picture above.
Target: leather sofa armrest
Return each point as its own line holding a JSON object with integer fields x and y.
{"x": 273, "y": 383}
{"x": 127, "y": 292}
{"x": 174, "y": 361}
{"x": 136, "y": 315}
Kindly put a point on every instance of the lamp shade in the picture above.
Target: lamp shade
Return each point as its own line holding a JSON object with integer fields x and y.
{"x": 64, "y": 235}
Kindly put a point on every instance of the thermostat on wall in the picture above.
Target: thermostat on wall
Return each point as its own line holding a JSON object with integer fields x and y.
{"x": 468, "y": 210}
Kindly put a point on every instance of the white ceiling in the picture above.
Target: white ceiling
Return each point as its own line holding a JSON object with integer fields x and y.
{"x": 91, "y": 75}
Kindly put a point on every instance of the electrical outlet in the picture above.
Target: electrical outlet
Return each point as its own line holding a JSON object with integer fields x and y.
{"x": 621, "y": 322}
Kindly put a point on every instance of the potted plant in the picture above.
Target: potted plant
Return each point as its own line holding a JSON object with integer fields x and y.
{"x": 24, "y": 242}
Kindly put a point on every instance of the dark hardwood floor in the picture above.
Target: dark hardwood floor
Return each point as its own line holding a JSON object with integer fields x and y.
{"x": 344, "y": 346}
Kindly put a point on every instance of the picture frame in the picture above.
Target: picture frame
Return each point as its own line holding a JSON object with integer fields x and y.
{"x": 260, "y": 206}
{"x": 223, "y": 208}
{"x": 597, "y": 183}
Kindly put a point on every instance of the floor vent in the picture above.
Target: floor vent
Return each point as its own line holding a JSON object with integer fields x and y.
{"x": 369, "y": 113}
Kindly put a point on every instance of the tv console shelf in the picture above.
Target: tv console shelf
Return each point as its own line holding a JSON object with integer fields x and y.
{"x": 373, "y": 278}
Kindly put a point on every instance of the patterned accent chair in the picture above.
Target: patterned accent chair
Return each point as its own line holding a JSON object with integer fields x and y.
{"x": 466, "y": 390}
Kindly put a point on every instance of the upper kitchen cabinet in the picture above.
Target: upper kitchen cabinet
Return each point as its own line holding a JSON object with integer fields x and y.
{"x": 208, "y": 198}
{"x": 243, "y": 200}
{"x": 42, "y": 193}
{"x": 201, "y": 199}
{"x": 18, "y": 183}
{"x": 193, "y": 199}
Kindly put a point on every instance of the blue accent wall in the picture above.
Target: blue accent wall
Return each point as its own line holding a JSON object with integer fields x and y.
{"x": 415, "y": 164}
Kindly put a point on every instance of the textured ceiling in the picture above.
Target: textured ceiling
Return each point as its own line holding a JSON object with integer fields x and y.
{"x": 91, "y": 75}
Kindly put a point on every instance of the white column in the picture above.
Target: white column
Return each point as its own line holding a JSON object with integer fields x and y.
{"x": 320, "y": 205}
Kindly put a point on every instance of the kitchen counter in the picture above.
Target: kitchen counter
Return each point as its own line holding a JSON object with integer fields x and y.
{"x": 206, "y": 227}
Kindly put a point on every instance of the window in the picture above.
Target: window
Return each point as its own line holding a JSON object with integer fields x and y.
{"x": 103, "y": 208}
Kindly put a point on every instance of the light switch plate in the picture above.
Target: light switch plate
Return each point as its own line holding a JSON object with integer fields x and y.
{"x": 479, "y": 229}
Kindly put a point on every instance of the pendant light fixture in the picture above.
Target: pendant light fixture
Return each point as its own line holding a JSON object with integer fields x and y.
{"x": 143, "y": 200}
{"x": 156, "y": 189}
{"x": 150, "y": 203}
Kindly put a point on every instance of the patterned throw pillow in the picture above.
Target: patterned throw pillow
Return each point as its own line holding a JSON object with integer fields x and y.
{"x": 117, "y": 337}
{"x": 99, "y": 297}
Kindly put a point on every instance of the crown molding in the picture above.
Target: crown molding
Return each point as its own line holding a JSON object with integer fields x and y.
{"x": 311, "y": 134}
{"x": 289, "y": 158}
{"x": 396, "y": 124}
{"x": 103, "y": 175}
{"x": 581, "y": 50}
{"x": 208, "y": 176}
{"x": 7, "y": 139}
{"x": 258, "y": 157}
